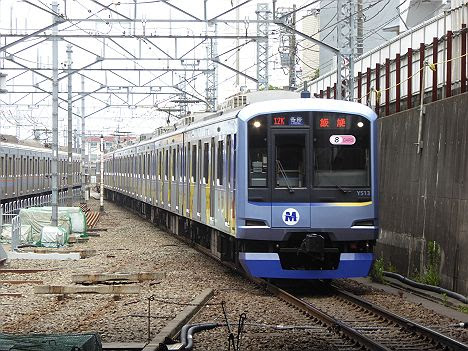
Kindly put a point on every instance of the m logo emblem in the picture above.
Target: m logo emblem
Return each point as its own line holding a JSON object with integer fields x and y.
{"x": 290, "y": 216}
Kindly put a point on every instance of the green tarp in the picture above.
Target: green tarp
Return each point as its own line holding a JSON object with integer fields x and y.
{"x": 77, "y": 217}
{"x": 38, "y": 218}
{"x": 50, "y": 342}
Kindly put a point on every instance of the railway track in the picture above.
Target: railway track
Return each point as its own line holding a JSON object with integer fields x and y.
{"x": 369, "y": 325}
{"x": 354, "y": 323}
{"x": 347, "y": 322}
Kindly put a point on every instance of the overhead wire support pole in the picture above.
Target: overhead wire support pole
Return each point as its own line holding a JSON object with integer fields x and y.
{"x": 263, "y": 13}
{"x": 346, "y": 38}
{"x": 83, "y": 142}
{"x": 70, "y": 130}
{"x": 101, "y": 195}
{"x": 292, "y": 53}
{"x": 54, "y": 219}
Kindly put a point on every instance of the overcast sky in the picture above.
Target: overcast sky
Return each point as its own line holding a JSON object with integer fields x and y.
{"x": 131, "y": 113}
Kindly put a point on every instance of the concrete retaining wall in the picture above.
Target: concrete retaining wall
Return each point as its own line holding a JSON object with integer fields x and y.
{"x": 424, "y": 196}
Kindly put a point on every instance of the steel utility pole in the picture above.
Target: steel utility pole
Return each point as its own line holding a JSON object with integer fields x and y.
{"x": 83, "y": 143}
{"x": 263, "y": 13}
{"x": 55, "y": 118}
{"x": 292, "y": 53}
{"x": 346, "y": 45}
{"x": 101, "y": 197}
{"x": 70, "y": 130}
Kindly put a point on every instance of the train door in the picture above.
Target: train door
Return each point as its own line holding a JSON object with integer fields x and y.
{"x": 198, "y": 170}
{"x": 205, "y": 184}
{"x": 290, "y": 192}
{"x": 227, "y": 185}
{"x": 212, "y": 180}
{"x": 178, "y": 180}
{"x": 166, "y": 177}
{"x": 193, "y": 182}
{"x": 169, "y": 176}
{"x": 174, "y": 188}
{"x": 233, "y": 185}
{"x": 148, "y": 174}
{"x": 187, "y": 181}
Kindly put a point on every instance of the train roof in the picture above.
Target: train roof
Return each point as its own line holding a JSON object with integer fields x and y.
{"x": 265, "y": 107}
{"x": 36, "y": 148}
{"x": 313, "y": 104}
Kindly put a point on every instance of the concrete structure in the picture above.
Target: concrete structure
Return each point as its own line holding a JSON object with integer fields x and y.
{"x": 380, "y": 21}
{"x": 424, "y": 197}
{"x": 310, "y": 59}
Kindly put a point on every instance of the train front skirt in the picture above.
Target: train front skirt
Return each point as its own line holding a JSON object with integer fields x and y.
{"x": 267, "y": 265}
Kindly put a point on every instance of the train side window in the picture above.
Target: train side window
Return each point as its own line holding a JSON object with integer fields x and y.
{"x": 169, "y": 164}
{"x": 206, "y": 152}
{"x": 159, "y": 165}
{"x": 179, "y": 164}
{"x": 173, "y": 175}
{"x": 228, "y": 159}
{"x": 194, "y": 164}
{"x": 148, "y": 164}
{"x": 220, "y": 163}
{"x": 199, "y": 162}
{"x": 212, "y": 160}
{"x": 166, "y": 165}
{"x": 187, "y": 163}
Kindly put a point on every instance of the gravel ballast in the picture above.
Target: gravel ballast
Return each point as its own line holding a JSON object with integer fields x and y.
{"x": 132, "y": 244}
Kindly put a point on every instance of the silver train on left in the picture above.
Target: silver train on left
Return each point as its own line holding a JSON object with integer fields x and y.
{"x": 26, "y": 170}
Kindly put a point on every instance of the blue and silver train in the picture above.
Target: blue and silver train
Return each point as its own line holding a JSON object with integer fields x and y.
{"x": 284, "y": 188}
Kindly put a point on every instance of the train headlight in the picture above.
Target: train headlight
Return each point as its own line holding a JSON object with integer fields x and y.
{"x": 257, "y": 124}
{"x": 360, "y": 124}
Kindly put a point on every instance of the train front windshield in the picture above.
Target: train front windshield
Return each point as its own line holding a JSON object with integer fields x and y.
{"x": 341, "y": 151}
{"x": 309, "y": 156}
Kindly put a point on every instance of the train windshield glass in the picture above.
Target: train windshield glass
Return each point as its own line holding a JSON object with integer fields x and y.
{"x": 290, "y": 160}
{"x": 341, "y": 151}
{"x": 258, "y": 152}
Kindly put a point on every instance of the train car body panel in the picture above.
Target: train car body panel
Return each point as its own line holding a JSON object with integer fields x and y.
{"x": 288, "y": 186}
{"x": 25, "y": 170}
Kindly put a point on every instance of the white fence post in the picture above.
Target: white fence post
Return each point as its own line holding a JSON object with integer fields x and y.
{"x": 15, "y": 232}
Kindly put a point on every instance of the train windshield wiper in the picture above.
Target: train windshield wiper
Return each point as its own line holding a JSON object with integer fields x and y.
{"x": 335, "y": 185}
{"x": 343, "y": 190}
{"x": 283, "y": 173}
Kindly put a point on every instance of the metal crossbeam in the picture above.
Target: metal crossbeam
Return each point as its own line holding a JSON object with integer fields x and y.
{"x": 136, "y": 36}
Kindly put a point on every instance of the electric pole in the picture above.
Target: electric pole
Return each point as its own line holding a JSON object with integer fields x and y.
{"x": 55, "y": 117}
{"x": 292, "y": 53}
{"x": 83, "y": 143}
{"x": 70, "y": 130}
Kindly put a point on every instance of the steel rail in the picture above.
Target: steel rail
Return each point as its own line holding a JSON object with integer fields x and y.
{"x": 404, "y": 322}
{"x": 335, "y": 324}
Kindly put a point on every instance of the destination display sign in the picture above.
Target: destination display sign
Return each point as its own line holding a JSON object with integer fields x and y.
{"x": 332, "y": 122}
{"x": 289, "y": 120}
